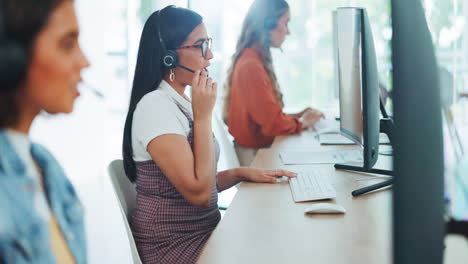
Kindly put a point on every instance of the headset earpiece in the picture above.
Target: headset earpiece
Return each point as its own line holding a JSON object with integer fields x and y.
{"x": 271, "y": 23}
{"x": 13, "y": 59}
{"x": 170, "y": 58}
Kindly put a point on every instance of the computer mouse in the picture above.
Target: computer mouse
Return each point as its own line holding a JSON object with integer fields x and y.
{"x": 325, "y": 208}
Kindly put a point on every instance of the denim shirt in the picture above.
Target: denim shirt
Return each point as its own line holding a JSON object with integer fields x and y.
{"x": 24, "y": 235}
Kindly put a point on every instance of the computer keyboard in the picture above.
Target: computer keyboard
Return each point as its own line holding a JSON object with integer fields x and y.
{"x": 311, "y": 185}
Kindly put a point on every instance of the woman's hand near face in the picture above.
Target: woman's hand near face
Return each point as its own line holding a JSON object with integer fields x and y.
{"x": 203, "y": 95}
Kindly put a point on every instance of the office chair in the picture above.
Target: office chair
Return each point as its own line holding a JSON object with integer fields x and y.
{"x": 126, "y": 194}
{"x": 447, "y": 100}
{"x": 447, "y": 90}
{"x": 227, "y": 160}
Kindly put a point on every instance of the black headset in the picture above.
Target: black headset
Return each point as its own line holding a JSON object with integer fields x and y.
{"x": 271, "y": 22}
{"x": 13, "y": 58}
{"x": 170, "y": 59}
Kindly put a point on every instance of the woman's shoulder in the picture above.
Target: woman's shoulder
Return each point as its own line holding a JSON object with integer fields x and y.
{"x": 249, "y": 67}
{"x": 250, "y": 57}
{"x": 249, "y": 62}
{"x": 45, "y": 156}
{"x": 154, "y": 96}
{"x": 55, "y": 173}
{"x": 155, "y": 102}
{"x": 158, "y": 109}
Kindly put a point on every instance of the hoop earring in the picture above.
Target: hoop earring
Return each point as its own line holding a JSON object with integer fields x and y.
{"x": 172, "y": 75}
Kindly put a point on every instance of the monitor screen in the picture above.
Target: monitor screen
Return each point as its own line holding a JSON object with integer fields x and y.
{"x": 347, "y": 25}
{"x": 356, "y": 68}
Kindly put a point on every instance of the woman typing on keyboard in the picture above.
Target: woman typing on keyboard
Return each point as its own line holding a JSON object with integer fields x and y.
{"x": 169, "y": 149}
{"x": 253, "y": 107}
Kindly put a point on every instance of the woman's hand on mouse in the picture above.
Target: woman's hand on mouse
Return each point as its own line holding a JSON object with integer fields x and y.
{"x": 203, "y": 95}
{"x": 263, "y": 176}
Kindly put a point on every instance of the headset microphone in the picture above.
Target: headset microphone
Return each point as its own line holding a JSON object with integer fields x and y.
{"x": 185, "y": 68}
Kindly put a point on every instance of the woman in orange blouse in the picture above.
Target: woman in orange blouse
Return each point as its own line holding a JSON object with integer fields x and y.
{"x": 253, "y": 107}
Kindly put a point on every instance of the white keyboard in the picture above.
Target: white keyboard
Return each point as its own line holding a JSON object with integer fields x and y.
{"x": 311, "y": 185}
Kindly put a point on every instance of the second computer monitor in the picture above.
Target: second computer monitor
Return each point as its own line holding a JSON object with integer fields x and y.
{"x": 358, "y": 83}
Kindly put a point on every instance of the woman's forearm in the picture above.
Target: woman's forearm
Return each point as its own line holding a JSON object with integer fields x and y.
{"x": 229, "y": 178}
{"x": 205, "y": 161}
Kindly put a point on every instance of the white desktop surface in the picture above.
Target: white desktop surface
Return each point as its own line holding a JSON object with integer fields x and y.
{"x": 264, "y": 225}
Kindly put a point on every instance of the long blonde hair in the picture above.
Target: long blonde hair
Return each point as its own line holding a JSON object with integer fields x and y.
{"x": 262, "y": 17}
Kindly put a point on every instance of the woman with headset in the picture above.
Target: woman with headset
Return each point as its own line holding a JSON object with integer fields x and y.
{"x": 169, "y": 149}
{"x": 253, "y": 106}
{"x": 41, "y": 217}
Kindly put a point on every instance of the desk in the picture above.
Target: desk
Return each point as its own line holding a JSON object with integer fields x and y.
{"x": 264, "y": 225}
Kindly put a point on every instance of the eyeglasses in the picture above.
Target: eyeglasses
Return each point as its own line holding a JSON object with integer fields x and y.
{"x": 204, "y": 46}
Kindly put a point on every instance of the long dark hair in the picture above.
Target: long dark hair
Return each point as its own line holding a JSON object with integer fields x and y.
{"x": 256, "y": 28}
{"x": 21, "y": 21}
{"x": 175, "y": 24}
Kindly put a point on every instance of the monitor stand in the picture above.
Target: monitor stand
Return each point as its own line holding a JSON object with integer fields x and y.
{"x": 386, "y": 126}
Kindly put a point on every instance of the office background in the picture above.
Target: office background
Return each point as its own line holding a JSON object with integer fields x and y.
{"x": 85, "y": 141}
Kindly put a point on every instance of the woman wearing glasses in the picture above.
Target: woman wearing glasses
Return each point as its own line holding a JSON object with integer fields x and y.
{"x": 253, "y": 107}
{"x": 169, "y": 149}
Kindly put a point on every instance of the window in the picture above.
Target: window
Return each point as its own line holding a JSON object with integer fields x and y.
{"x": 305, "y": 68}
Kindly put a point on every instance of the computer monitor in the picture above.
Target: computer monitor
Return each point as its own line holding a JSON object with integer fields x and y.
{"x": 358, "y": 82}
{"x": 418, "y": 191}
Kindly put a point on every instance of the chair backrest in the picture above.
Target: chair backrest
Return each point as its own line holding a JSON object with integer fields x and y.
{"x": 126, "y": 194}
{"x": 447, "y": 91}
{"x": 124, "y": 189}
{"x": 228, "y": 158}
